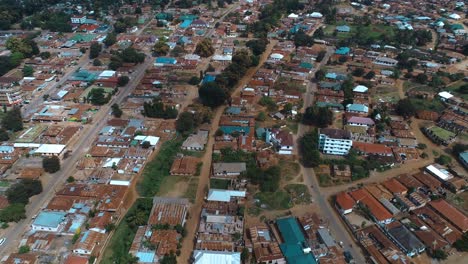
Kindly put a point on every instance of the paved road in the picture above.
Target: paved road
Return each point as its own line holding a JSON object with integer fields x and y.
{"x": 337, "y": 228}
{"x": 86, "y": 138}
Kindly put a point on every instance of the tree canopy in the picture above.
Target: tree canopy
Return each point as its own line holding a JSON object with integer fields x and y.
{"x": 185, "y": 122}
{"x": 157, "y": 109}
{"x": 405, "y": 108}
{"x": 13, "y": 120}
{"x": 51, "y": 164}
{"x": 309, "y": 149}
{"x": 21, "y": 192}
{"x": 318, "y": 116}
{"x": 212, "y": 95}
{"x": 97, "y": 96}
{"x": 205, "y": 48}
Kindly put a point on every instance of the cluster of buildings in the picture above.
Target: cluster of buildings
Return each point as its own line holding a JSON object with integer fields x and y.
{"x": 403, "y": 217}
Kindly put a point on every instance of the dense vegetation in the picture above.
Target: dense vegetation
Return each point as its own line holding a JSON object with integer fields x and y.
{"x": 137, "y": 215}
{"x": 18, "y": 195}
{"x": 157, "y": 109}
{"x": 158, "y": 168}
{"x": 51, "y": 164}
{"x": 318, "y": 116}
{"x": 216, "y": 93}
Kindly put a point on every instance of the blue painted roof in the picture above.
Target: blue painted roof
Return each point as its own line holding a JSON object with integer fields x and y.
{"x": 147, "y": 257}
{"x": 166, "y": 60}
{"x": 343, "y": 51}
{"x": 464, "y": 156}
{"x": 343, "y": 28}
{"x": 232, "y": 129}
{"x": 209, "y": 78}
{"x": 49, "y": 219}
{"x": 233, "y": 110}
{"x": 186, "y": 23}
{"x": 294, "y": 242}
{"x": 357, "y": 108}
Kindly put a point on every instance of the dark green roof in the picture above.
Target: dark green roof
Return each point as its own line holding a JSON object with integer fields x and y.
{"x": 290, "y": 230}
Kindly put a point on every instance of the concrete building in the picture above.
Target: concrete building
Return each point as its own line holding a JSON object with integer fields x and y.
{"x": 49, "y": 221}
{"x": 335, "y": 141}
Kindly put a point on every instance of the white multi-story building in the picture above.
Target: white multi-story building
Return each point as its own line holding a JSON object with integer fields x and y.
{"x": 335, "y": 141}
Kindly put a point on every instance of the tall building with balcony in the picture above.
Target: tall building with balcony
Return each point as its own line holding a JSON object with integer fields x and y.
{"x": 334, "y": 141}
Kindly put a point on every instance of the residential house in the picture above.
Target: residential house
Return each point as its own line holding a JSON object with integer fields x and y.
{"x": 405, "y": 239}
{"x": 186, "y": 165}
{"x": 357, "y": 108}
{"x": 344, "y": 203}
{"x": 196, "y": 141}
{"x": 281, "y": 139}
{"x": 360, "y": 121}
{"x": 228, "y": 169}
{"x": 376, "y": 209}
{"x": 89, "y": 243}
{"x": 294, "y": 247}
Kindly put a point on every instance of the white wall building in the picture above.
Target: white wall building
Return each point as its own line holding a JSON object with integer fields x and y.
{"x": 335, "y": 141}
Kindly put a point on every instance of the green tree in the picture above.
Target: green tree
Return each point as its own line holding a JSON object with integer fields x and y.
{"x": 318, "y": 116}
{"x": 157, "y": 109}
{"x": 321, "y": 55}
{"x": 261, "y": 116}
{"x": 24, "y": 249}
{"x": 70, "y": 179}
{"x": 116, "y": 111}
{"x": 161, "y": 48}
{"x": 28, "y": 71}
{"x": 205, "y": 48}
{"x": 212, "y": 95}
{"x": 194, "y": 80}
{"x": 145, "y": 145}
{"x": 97, "y": 96}
{"x": 178, "y": 51}
{"x": 462, "y": 243}
{"x": 94, "y": 50}
{"x": 20, "y": 192}
{"x": 45, "y": 55}
{"x": 97, "y": 62}
{"x": 123, "y": 80}
{"x": 421, "y": 78}
{"x": 258, "y": 46}
{"x": 51, "y": 164}
{"x": 444, "y": 160}
{"x": 13, "y": 120}
{"x": 358, "y": 72}
{"x": 13, "y": 213}
{"x": 439, "y": 254}
{"x": 111, "y": 38}
{"x": 185, "y": 122}
{"x": 405, "y": 108}
{"x": 309, "y": 150}
{"x": 320, "y": 75}
{"x": 370, "y": 75}
{"x": 4, "y": 135}
{"x": 244, "y": 255}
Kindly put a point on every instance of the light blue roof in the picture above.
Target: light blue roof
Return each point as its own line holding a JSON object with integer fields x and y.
{"x": 145, "y": 257}
{"x": 343, "y": 28}
{"x": 166, "y": 60}
{"x": 233, "y": 110}
{"x": 49, "y": 219}
{"x": 343, "y": 51}
{"x": 186, "y": 24}
{"x": 464, "y": 156}
{"x": 6, "y": 148}
{"x": 357, "y": 108}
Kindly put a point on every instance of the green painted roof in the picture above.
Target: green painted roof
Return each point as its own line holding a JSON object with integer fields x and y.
{"x": 290, "y": 230}
{"x": 294, "y": 242}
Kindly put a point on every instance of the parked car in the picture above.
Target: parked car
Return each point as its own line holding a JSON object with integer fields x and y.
{"x": 2, "y": 241}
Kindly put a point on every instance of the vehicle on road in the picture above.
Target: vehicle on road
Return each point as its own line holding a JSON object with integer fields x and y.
{"x": 2, "y": 241}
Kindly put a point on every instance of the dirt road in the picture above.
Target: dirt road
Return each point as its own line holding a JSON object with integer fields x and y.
{"x": 195, "y": 210}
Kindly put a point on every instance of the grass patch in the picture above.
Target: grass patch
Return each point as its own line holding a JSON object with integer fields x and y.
{"x": 453, "y": 88}
{"x": 293, "y": 126}
{"x": 167, "y": 183}
{"x": 254, "y": 211}
{"x": 219, "y": 184}
{"x": 423, "y": 104}
{"x": 299, "y": 193}
{"x": 4, "y": 184}
{"x": 158, "y": 169}
{"x": 197, "y": 154}
{"x": 119, "y": 245}
{"x": 278, "y": 200}
{"x": 191, "y": 192}
{"x": 288, "y": 169}
{"x": 325, "y": 180}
